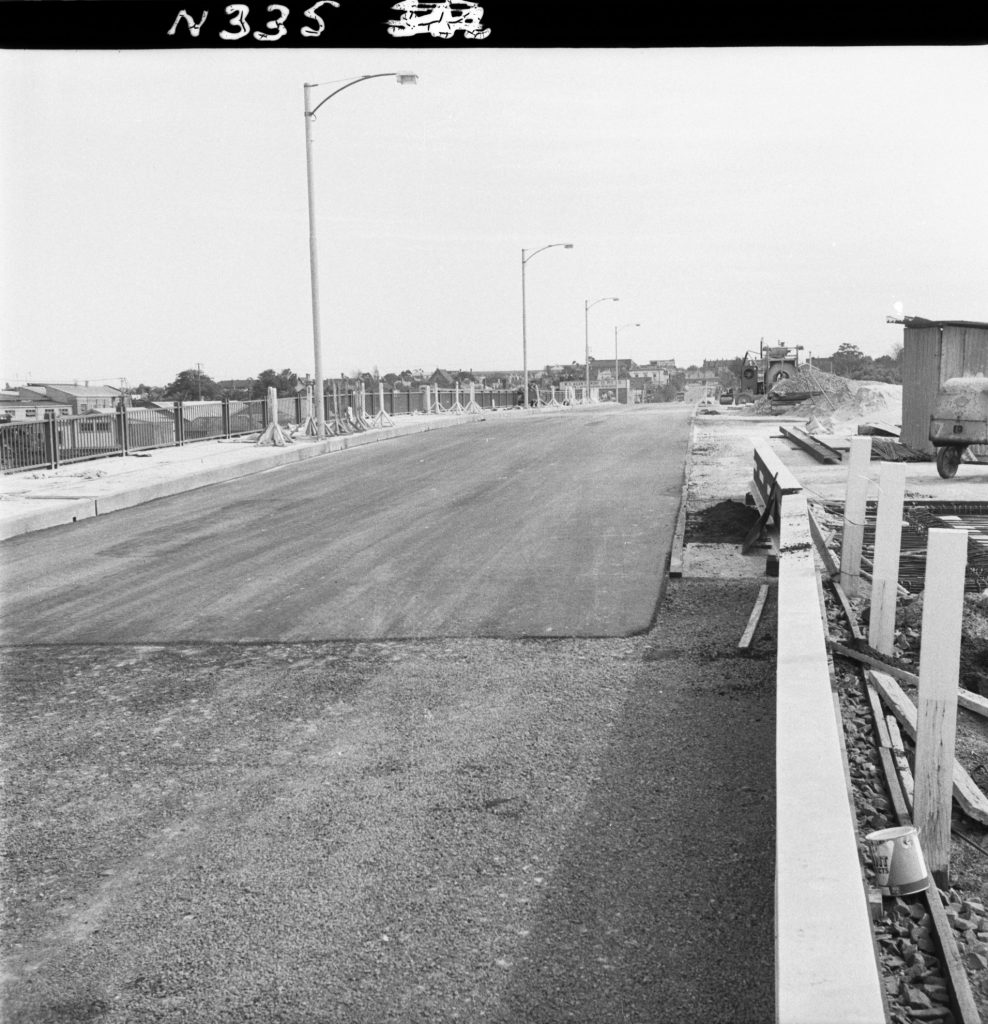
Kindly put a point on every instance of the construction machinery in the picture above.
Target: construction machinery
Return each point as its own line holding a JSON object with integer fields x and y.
{"x": 761, "y": 372}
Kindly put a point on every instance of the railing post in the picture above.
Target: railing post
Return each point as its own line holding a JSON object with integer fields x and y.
{"x": 51, "y": 442}
{"x": 120, "y": 423}
{"x": 179, "y": 424}
{"x": 225, "y": 414}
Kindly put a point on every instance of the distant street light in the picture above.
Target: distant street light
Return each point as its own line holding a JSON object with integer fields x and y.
{"x": 616, "y": 375}
{"x": 587, "y": 305}
{"x": 524, "y": 337}
{"x": 403, "y": 78}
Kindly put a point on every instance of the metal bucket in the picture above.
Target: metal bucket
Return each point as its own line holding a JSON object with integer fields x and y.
{"x": 899, "y": 865}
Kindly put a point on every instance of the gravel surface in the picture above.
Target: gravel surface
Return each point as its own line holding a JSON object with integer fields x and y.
{"x": 915, "y": 983}
{"x": 395, "y": 831}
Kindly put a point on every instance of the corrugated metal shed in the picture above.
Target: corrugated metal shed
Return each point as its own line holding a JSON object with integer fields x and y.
{"x": 934, "y": 351}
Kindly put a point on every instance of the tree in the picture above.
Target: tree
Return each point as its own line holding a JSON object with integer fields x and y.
{"x": 888, "y": 369}
{"x": 849, "y": 361}
{"x": 192, "y": 385}
{"x": 285, "y": 383}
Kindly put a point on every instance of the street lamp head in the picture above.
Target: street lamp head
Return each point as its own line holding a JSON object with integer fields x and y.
{"x": 406, "y": 78}
{"x": 567, "y": 245}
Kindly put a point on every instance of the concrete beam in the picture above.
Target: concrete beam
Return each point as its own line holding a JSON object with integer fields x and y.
{"x": 826, "y": 968}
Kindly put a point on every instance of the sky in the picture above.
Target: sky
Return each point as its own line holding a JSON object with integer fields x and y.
{"x": 154, "y": 217}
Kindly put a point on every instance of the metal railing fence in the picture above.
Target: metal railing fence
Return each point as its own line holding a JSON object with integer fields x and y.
{"x": 53, "y": 441}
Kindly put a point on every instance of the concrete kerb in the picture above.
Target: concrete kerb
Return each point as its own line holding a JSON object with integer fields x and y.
{"x": 819, "y": 887}
{"x": 107, "y": 495}
{"x": 679, "y": 537}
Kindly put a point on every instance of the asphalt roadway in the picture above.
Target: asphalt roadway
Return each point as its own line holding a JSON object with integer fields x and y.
{"x": 547, "y": 526}
{"x": 375, "y": 816}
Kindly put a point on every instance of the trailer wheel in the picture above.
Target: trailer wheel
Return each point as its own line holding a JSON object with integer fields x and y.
{"x": 948, "y": 459}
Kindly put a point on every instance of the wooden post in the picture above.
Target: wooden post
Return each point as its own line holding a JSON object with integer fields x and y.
{"x": 854, "y": 515}
{"x": 273, "y": 434}
{"x": 888, "y": 543}
{"x": 311, "y": 428}
{"x": 939, "y": 667}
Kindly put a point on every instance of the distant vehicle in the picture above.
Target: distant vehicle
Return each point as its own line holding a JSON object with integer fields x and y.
{"x": 533, "y": 395}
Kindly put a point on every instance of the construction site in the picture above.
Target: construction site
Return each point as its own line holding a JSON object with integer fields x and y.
{"x": 850, "y": 452}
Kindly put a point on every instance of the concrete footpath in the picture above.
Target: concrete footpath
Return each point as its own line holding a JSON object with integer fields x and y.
{"x": 721, "y": 464}
{"x": 41, "y": 499}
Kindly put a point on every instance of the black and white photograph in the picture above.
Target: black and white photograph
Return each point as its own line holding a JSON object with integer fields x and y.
{"x": 490, "y": 532}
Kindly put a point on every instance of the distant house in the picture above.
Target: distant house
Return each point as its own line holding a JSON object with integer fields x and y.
{"x": 79, "y": 398}
{"x": 487, "y": 379}
{"x": 16, "y": 408}
{"x": 241, "y": 388}
{"x": 701, "y": 377}
{"x": 658, "y": 371}
{"x": 442, "y": 378}
{"x": 602, "y": 369}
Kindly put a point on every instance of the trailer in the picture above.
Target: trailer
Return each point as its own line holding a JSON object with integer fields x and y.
{"x": 959, "y": 420}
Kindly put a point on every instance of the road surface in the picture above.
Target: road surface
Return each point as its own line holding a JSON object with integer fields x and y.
{"x": 542, "y": 526}
{"x": 513, "y": 827}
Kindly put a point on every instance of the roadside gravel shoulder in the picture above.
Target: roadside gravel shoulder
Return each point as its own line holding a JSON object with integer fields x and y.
{"x": 549, "y": 830}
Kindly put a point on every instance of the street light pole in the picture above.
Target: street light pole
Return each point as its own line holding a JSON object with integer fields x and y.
{"x": 403, "y": 78}
{"x": 587, "y": 304}
{"x": 524, "y": 336}
{"x": 616, "y": 375}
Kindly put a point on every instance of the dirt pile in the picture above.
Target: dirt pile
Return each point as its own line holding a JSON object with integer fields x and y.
{"x": 727, "y": 522}
{"x": 808, "y": 380}
{"x": 833, "y": 404}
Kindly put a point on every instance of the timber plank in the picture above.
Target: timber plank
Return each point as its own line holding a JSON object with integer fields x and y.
{"x": 754, "y": 618}
{"x": 973, "y": 702}
{"x": 969, "y": 797}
